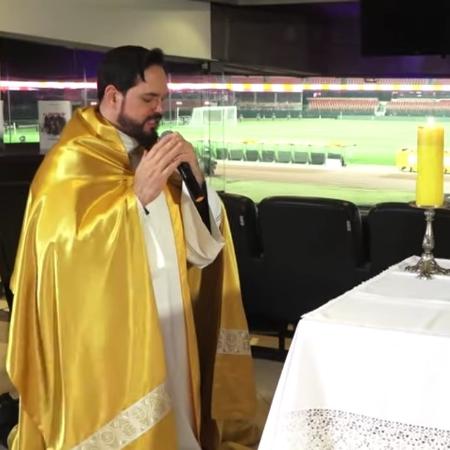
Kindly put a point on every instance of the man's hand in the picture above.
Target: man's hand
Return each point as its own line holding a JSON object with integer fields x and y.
{"x": 190, "y": 157}
{"x": 160, "y": 162}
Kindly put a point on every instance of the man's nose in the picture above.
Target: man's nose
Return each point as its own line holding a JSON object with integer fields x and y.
{"x": 159, "y": 106}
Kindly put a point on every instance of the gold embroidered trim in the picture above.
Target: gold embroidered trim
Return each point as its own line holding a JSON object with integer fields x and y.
{"x": 130, "y": 423}
{"x": 234, "y": 342}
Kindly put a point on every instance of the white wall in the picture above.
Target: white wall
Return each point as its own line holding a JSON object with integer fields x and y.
{"x": 179, "y": 27}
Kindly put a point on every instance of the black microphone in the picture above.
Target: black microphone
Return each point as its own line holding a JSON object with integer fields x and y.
{"x": 195, "y": 190}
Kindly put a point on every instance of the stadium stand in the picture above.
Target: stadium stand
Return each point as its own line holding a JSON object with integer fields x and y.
{"x": 418, "y": 107}
{"x": 322, "y": 80}
{"x": 357, "y": 105}
{"x": 411, "y": 81}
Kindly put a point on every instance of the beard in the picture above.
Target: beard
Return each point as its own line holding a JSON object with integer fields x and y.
{"x": 135, "y": 129}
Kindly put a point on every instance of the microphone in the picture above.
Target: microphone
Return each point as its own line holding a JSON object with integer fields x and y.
{"x": 195, "y": 191}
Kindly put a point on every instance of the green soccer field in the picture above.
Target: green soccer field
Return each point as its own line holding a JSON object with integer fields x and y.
{"x": 368, "y": 141}
{"x": 359, "y": 140}
{"x": 362, "y": 140}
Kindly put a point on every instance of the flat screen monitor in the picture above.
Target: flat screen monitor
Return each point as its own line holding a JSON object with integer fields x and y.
{"x": 402, "y": 27}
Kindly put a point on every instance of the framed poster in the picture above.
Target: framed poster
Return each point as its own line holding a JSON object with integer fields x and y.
{"x": 53, "y": 116}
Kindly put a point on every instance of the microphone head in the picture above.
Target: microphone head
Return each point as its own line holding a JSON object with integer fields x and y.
{"x": 165, "y": 133}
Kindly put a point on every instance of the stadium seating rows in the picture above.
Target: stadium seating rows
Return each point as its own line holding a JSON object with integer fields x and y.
{"x": 296, "y": 253}
{"x": 259, "y": 79}
{"x": 279, "y": 156}
{"x": 356, "y": 105}
{"x": 325, "y": 105}
{"x": 293, "y": 253}
{"x": 417, "y": 107}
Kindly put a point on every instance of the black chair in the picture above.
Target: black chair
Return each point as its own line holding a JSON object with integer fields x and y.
{"x": 236, "y": 155}
{"x": 242, "y": 216}
{"x": 252, "y": 155}
{"x": 312, "y": 250}
{"x": 16, "y": 166}
{"x": 284, "y": 156}
{"x": 301, "y": 158}
{"x": 317, "y": 158}
{"x": 396, "y": 232}
{"x": 221, "y": 153}
{"x": 268, "y": 155}
{"x": 13, "y": 198}
{"x": 336, "y": 156}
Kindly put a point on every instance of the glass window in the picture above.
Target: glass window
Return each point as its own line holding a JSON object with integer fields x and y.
{"x": 347, "y": 138}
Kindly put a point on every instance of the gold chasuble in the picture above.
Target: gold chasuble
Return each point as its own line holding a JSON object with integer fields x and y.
{"x": 85, "y": 348}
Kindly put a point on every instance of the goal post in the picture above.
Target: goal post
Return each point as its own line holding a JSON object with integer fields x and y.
{"x": 204, "y": 115}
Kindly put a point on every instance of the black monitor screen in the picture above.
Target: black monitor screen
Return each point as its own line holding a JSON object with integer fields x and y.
{"x": 402, "y": 27}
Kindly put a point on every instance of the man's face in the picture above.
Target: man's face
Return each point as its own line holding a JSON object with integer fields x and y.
{"x": 142, "y": 107}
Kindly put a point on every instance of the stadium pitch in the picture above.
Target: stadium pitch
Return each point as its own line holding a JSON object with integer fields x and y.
{"x": 362, "y": 141}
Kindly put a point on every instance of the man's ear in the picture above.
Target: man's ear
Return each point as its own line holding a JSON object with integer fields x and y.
{"x": 112, "y": 96}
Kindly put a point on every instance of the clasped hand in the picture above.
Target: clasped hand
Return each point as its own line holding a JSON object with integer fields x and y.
{"x": 158, "y": 163}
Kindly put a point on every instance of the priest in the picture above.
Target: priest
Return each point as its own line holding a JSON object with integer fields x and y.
{"x": 127, "y": 329}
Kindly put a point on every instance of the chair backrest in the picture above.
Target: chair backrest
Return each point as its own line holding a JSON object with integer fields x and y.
{"x": 221, "y": 153}
{"x": 242, "y": 216}
{"x": 252, "y": 155}
{"x": 18, "y": 167}
{"x": 312, "y": 247}
{"x": 13, "y": 199}
{"x": 301, "y": 157}
{"x": 268, "y": 155}
{"x": 396, "y": 231}
{"x": 317, "y": 158}
{"x": 236, "y": 155}
{"x": 284, "y": 156}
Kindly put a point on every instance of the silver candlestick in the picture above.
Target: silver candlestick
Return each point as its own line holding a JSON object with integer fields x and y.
{"x": 427, "y": 266}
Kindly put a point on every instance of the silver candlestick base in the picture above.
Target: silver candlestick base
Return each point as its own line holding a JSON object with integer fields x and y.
{"x": 427, "y": 266}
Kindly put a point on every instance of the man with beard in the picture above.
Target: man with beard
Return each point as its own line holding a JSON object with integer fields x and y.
{"x": 127, "y": 328}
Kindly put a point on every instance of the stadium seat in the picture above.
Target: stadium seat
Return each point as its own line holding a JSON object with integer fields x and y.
{"x": 242, "y": 216}
{"x": 252, "y": 155}
{"x": 312, "y": 250}
{"x": 18, "y": 167}
{"x": 284, "y": 156}
{"x": 332, "y": 106}
{"x": 13, "y": 198}
{"x": 396, "y": 232}
{"x": 221, "y": 153}
{"x": 336, "y": 157}
{"x": 317, "y": 158}
{"x": 268, "y": 155}
{"x": 236, "y": 155}
{"x": 301, "y": 157}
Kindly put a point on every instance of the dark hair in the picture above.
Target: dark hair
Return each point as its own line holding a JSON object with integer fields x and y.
{"x": 124, "y": 66}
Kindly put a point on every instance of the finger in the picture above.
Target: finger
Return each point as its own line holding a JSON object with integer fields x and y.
{"x": 171, "y": 168}
{"x": 162, "y": 148}
{"x": 175, "y": 153}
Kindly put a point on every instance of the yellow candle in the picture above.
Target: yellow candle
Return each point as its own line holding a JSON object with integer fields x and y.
{"x": 430, "y": 166}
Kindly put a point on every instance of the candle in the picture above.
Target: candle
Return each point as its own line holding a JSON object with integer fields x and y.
{"x": 430, "y": 166}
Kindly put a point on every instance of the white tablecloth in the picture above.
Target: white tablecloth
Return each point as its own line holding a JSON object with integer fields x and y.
{"x": 369, "y": 370}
